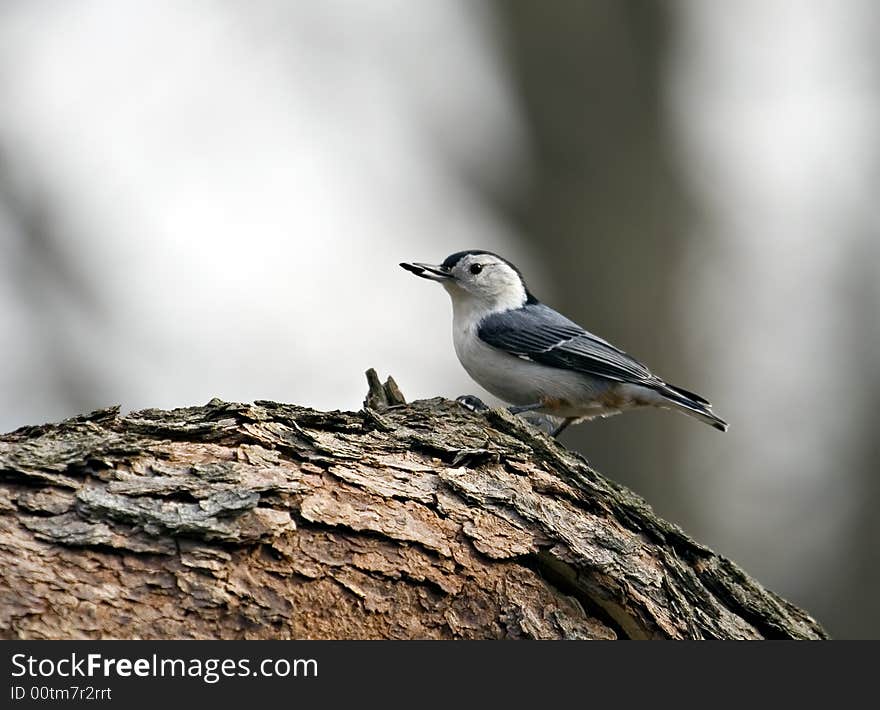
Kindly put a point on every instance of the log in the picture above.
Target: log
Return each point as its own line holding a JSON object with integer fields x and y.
{"x": 405, "y": 521}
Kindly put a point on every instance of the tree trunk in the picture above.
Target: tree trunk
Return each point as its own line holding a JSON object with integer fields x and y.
{"x": 269, "y": 520}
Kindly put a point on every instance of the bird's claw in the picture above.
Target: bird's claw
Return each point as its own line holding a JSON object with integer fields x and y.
{"x": 473, "y": 403}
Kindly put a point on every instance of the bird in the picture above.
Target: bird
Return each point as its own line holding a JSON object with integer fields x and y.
{"x": 536, "y": 359}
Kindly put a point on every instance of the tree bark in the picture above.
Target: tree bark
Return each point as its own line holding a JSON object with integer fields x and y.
{"x": 269, "y": 520}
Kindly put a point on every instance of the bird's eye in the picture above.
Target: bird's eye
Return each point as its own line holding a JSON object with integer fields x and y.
{"x": 476, "y": 268}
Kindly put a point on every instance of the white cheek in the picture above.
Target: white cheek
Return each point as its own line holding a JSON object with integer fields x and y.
{"x": 499, "y": 293}
{"x": 509, "y": 295}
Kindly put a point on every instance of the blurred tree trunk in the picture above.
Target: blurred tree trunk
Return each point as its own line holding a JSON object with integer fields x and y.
{"x": 47, "y": 288}
{"x": 860, "y": 582}
{"x": 400, "y": 521}
{"x": 605, "y": 210}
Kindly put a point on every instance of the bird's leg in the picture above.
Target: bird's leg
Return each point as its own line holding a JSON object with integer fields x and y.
{"x": 475, "y": 404}
{"x": 469, "y": 401}
{"x": 525, "y": 408}
{"x": 563, "y": 426}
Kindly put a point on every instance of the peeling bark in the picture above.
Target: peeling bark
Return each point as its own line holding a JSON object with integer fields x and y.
{"x": 268, "y": 520}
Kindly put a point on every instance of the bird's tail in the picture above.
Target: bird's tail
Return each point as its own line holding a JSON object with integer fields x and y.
{"x": 693, "y": 405}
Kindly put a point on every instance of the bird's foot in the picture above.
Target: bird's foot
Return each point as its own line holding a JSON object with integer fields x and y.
{"x": 472, "y": 402}
{"x": 475, "y": 404}
{"x": 548, "y": 424}
{"x": 519, "y": 409}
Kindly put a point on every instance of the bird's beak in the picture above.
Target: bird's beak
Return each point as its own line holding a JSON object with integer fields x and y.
{"x": 427, "y": 271}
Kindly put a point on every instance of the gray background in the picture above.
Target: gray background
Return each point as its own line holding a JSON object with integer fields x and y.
{"x": 211, "y": 198}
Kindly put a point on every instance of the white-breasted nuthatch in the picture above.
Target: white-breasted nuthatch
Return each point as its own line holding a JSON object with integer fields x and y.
{"x": 537, "y": 359}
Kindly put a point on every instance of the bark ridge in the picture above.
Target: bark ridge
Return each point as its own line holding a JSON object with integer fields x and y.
{"x": 421, "y": 520}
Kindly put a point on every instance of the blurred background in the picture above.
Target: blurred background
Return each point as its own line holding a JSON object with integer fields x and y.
{"x": 211, "y": 198}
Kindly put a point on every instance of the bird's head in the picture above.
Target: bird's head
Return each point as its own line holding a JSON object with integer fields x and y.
{"x": 477, "y": 281}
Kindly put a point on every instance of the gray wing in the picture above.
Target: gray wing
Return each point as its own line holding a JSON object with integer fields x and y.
{"x": 538, "y": 333}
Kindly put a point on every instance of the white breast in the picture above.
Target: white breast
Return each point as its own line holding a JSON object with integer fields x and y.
{"x": 520, "y": 381}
